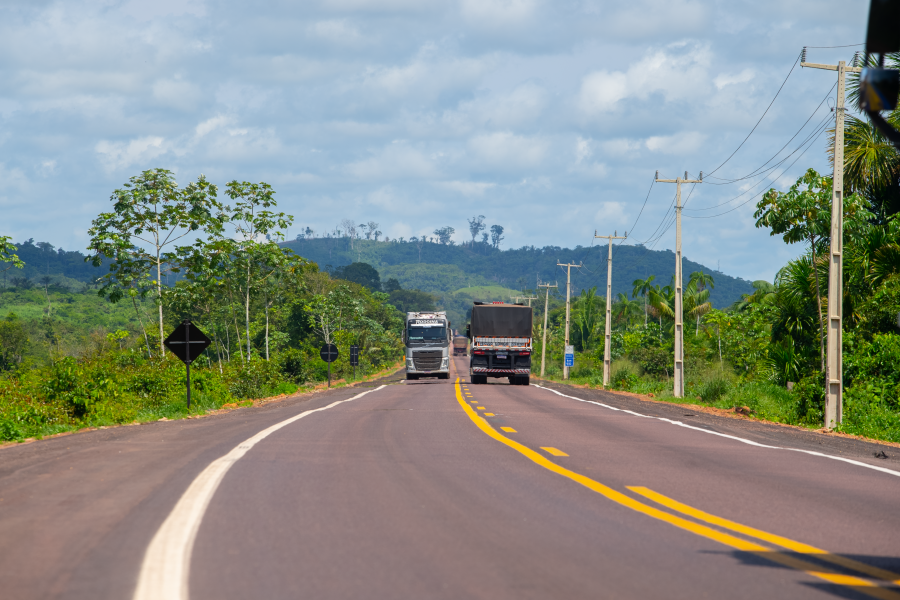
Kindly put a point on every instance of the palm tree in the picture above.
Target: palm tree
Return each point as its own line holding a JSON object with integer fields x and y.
{"x": 763, "y": 293}
{"x": 696, "y": 302}
{"x": 642, "y": 287}
{"x": 662, "y": 300}
{"x": 623, "y": 309}
{"x": 587, "y": 315}
{"x": 701, "y": 281}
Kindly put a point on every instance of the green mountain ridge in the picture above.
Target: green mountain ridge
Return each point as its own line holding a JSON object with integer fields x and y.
{"x": 441, "y": 269}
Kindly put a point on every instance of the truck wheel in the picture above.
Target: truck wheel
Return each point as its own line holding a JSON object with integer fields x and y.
{"x": 411, "y": 377}
{"x": 479, "y": 379}
{"x": 443, "y": 375}
{"x": 524, "y": 380}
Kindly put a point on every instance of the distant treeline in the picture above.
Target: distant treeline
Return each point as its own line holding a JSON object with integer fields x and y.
{"x": 515, "y": 268}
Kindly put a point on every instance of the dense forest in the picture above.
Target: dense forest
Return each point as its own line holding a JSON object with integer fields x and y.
{"x": 417, "y": 264}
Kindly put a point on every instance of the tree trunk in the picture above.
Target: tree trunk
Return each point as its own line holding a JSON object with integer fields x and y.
{"x": 162, "y": 349}
{"x": 719, "y": 335}
{"x": 267, "y": 329}
{"x": 812, "y": 245}
{"x": 141, "y": 321}
{"x": 696, "y": 333}
{"x": 236, "y": 328}
{"x": 645, "y": 311}
{"x": 247, "y": 312}
{"x": 218, "y": 353}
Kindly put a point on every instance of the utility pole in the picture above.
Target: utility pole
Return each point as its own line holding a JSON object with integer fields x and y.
{"x": 529, "y": 298}
{"x": 546, "y": 308}
{"x": 678, "y": 371}
{"x": 607, "y": 347}
{"x": 834, "y": 370}
{"x": 568, "y": 298}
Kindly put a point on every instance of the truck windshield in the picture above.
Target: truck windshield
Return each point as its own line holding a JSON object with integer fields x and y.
{"x": 427, "y": 334}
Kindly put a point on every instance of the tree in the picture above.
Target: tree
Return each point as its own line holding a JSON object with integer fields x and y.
{"x": 8, "y": 254}
{"x": 642, "y": 288}
{"x": 476, "y": 226}
{"x": 151, "y": 210}
{"x": 412, "y": 300}
{"x": 362, "y": 273}
{"x": 444, "y": 234}
{"x": 349, "y": 230}
{"x": 803, "y": 214}
{"x": 13, "y": 342}
{"x": 587, "y": 315}
{"x": 496, "y": 235}
{"x": 484, "y": 238}
{"x": 701, "y": 282}
{"x": 253, "y": 221}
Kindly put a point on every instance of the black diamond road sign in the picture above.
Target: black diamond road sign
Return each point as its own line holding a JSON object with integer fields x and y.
{"x": 329, "y": 353}
{"x": 187, "y": 342}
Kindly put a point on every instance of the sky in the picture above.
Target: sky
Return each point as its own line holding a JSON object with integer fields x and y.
{"x": 550, "y": 118}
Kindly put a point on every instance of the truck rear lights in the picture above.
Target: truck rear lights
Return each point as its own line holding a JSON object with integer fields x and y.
{"x": 478, "y": 352}
{"x": 524, "y": 353}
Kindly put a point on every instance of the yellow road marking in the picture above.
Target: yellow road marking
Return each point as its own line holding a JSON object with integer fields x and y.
{"x": 553, "y": 451}
{"x": 701, "y": 530}
{"x": 508, "y": 429}
{"x": 480, "y": 407}
{"x": 798, "y": 547}
{"x": 489, "y": 414}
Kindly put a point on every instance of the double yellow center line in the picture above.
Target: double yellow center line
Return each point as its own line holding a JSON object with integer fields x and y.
{"x": 862, "y": 585}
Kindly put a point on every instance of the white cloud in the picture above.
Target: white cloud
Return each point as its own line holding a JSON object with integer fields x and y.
{"x": 468, "y": 188}
{"x": 177, "y": 93}
{"x": 395, "y": 161}
{"x": 507, "y": 150}
{"x": 210, "y": 125}
{"x": 732, "y": 79}
{"x": 680, "y": 71}
{"x": 611, "y": 213}
{"x": 120, "y": 155}
{"x": 498, "y": 12}
{"x": 688, "y": 142}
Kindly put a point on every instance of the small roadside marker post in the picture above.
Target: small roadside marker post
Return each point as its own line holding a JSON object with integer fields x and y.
{"x": 187, "y": 342}
{"x": 570, "y": 356}
{"x": 329, "y": 354}
{"x": 354, "y": 358}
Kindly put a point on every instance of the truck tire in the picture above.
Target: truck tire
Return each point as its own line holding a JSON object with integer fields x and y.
{"x": 411, "y": 377}
{"x": 479, "y": 379}
{"x": 523, "y": 380}
{"x": 443, "y": 375}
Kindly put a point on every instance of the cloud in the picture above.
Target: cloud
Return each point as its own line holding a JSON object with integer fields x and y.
{"x": 507, "y": 150}
{"x": 502, "y": 13}
{"x": 688, "y": 142}
{"x": 731, "y": 79}
{"x": 121, "y": 155}
{"x": 677, "y": 72}
{"x": 468, "y": 188}
{"x": 176, "y": 93}
{"x": 398, "y": 160}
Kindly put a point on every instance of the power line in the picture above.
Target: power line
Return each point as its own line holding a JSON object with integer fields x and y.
{"x": 757, "y": 170}
{"x": 762, "y": 117}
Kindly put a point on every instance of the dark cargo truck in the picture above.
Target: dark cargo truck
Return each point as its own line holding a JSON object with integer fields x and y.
{"x": 501, "y": 342}
{"x": 460, "y": 346}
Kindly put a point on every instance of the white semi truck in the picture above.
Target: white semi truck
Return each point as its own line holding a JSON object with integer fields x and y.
{"x": 427, "y": 337}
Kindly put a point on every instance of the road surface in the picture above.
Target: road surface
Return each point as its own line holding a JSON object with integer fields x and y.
{"x": 439, "y": 489}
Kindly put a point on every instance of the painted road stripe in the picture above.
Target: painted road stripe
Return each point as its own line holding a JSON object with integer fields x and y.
{"x": 508, "y": 430}
{"x": 489, "y": 414}
{"x": 480, "y": 407}
{"x": 725, "y": 435}
{"x": 553, "y": 451}
{"x": 856, "y": 583}
{"x": 798, "y": 547}
{"x": 166, "y": 567}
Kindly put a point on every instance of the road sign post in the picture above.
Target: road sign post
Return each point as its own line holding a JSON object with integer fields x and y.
{"x": 570, "y": 356}
{"x": 187, "y": 342}
{"x": 354, "y": 358}
{"x": 329, "y": 354}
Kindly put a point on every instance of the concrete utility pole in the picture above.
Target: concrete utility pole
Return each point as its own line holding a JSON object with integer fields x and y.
{"x": 568, "y": 298}
{"x": 607, "y": 348}
{"x": 529, "y": 298}
{"x": 834, "y": 370}
{"x": 546, "y": 308}
{"x": 678, "y": 371}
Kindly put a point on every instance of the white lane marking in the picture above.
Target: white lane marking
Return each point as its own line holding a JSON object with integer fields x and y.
{"x": 725, "y": 435}
{"x": 166, "y": 567}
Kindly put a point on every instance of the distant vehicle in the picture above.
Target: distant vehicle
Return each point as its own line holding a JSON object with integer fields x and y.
{"x": 427, "y": 338}
{"x": 501, "y": 342}
{"x": 460, "y": 346}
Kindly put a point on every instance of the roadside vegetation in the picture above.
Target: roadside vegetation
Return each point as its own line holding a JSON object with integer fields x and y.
{"x": 766, "y": 351}
{"x": 89, "y": 353}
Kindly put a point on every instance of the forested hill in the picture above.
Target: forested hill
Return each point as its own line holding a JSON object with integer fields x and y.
{"x": 42, "y": 258}
{"x": 480, "y": 264}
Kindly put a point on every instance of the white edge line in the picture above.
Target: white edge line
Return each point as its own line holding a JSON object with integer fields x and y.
{"x": 166, "y": 566}
{"x": 731, "y": 437}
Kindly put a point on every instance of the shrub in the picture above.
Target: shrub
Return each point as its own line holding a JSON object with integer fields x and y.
{"x": 653, "y": 360}
{"x": 713, "y": 389}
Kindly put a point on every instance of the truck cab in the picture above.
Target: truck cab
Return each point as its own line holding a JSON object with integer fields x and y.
{"x": 427, "y": 337}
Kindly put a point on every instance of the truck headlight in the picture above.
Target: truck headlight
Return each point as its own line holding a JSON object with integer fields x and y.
{"x": 445, "y": 362}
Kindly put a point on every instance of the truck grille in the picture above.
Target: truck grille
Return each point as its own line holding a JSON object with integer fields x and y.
{"x": 427, "y": 361}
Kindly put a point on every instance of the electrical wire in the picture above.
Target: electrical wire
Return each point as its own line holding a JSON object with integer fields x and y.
{"x": 758, "y": 170}
{"x": 762, "y": 117}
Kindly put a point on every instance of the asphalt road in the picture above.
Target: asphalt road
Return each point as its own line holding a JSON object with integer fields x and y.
{"x": 432, "y": 489}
